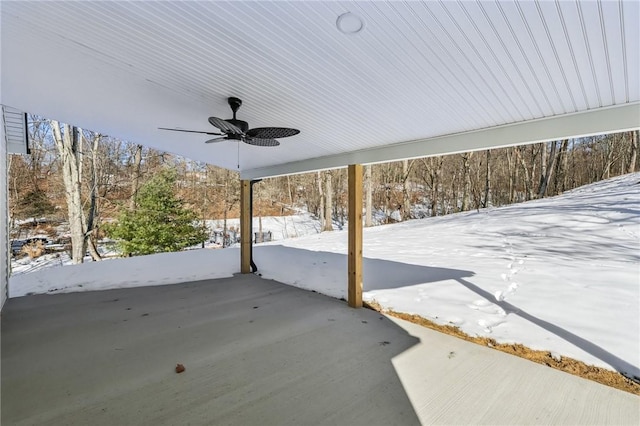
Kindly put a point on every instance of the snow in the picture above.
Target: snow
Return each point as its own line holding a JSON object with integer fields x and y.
{"x": 560, "y": 274}
{"x": 281, "y": 227}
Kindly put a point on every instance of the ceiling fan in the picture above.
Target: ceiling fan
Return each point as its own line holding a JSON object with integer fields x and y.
{"x": 234, "y": 129}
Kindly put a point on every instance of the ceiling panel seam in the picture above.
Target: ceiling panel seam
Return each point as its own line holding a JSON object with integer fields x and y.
{"x": 505, "y": 93}
{"x": 541, "y": 59}
{"x": 585, "y": 37}
{"x": 443, "y": 76}
{"x": 468, "y": 60}
{"x": 624, "y": 51}
{"x": 435, "y": 90}
{"x": 573, "y": 53}
{"x": 603, "y": 32}
{"x": 556, "y": 56}
{"x": 462, "y": 69}
{"x": 500, "y": 63}
{"x": 410, "y": 69}
{"x": 526, "y": 59}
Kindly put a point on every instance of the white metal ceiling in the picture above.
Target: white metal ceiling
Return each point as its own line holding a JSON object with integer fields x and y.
{"x": 417, "y": 71}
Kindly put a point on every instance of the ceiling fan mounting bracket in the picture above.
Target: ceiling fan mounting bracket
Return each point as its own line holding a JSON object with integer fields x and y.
{"x": 235, "y": 104}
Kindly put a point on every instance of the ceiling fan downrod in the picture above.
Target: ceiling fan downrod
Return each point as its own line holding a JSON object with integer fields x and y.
{"x": 235, "y": 104}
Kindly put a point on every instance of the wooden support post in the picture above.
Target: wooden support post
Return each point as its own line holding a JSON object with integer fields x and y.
{"x": 245, "y": 227}
{"x": 355, "y": 236}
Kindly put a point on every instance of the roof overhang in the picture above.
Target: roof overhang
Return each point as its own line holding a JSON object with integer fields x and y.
{"x": 420, "y": 78}
{"x": 588, "y": 123}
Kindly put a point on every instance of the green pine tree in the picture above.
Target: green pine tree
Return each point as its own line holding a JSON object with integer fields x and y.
{"x": 160, "y": 223}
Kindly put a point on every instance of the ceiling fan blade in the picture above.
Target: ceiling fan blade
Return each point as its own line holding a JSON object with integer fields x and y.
{"x": 225, "y": 126}
{"x": 272, "y": 132}
{"x": 190, "y": 131}
{"x": 261, "y": 141}
{"x": 214, "y": 140}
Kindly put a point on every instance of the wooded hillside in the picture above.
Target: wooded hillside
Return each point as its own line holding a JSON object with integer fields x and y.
{"x": 107, "y": 174}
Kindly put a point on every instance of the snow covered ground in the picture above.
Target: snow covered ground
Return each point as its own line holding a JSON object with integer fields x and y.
{"x": 560, "y": 274}
{"x": 281, "y": 227}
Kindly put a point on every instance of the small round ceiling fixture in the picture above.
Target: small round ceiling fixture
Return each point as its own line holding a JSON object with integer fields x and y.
{"x": 349, "y": 23}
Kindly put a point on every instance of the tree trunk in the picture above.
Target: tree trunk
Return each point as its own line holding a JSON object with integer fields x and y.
{"x": 406, "y": 199}
{"x": 487, "y": 181}
{"x": 634, "y": 151}
{"x": 608, "y": 159}
{"x": 560, "y": 177}
{"x": 466, "y": 178}
{"x": 290, "y": 193}
{"x": 93, "y": 205}
{"x": 225, "y": 240}
{"x": 436, "y": 186}
{"x": 543, "y": 166}
{"x": 320, "y": 201}
{"x": 135, "y": 181}
{"x": 527, "y": 177}
{"x": 328, "y": 204}
{"x": 228, "y": 205}
{"x": 512, "y": 174}
{"x": 547, "y": 169}
{"x": 368, "y": 187}
{"x": 71, "y": 160}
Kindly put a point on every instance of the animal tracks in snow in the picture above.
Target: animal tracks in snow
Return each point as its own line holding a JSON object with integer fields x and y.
{"x": 497, "y": 315}
{"x": 487, "y": 307}
{"x": 513, "y": 267}
{"x": 488, "y": 325}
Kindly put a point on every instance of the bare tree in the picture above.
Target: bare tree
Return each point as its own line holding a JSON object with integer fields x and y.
{"x": 406, "y": 196}
{"x": 634, "y": 151}
{"x": 560, "y": 177}
{"x": 487, "y": 181}
{"x": 608, "y": 157}
{"x": 547, "y": 167}
{"x": 71, "y": 161}
{"x": 368, "y": 188}
{"x": 520, "y": 151}
{"x": 321, "y": 214}
{"x": 91, "y": 229}
{"x": 436, "y": 184}
{"x": 289, "y": 191}
{"x": 512, "y": 156}
{"x": 466, "y": 177}
{"x": 135, "y": 178}
{"x": 328, "y": 202}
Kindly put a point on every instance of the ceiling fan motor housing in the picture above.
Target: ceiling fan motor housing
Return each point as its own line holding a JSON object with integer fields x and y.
{"x": 242, "y": 125}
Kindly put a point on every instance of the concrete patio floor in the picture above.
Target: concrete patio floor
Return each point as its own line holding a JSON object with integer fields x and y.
{"x": 258, "y": 352}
